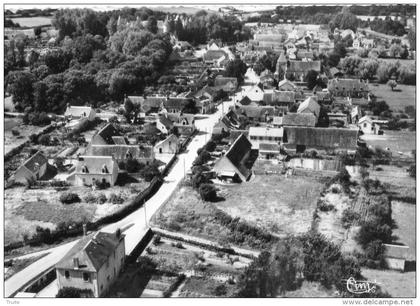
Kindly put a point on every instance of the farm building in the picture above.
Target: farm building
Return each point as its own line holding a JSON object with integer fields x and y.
{"x": 353, "y": 88}
{"x": 92, "y": 169}
{"x": 93, "y": 263}
{"x": 108, "y": 135}
{"x": 259, "y": 135}
{"x": 233, "y": 165}
{"x": 310, "y": 106}
{"x": 257, "y": 113}
{"x": 79, "y": 112}
{"x": 302, "y": 138}
{"x": 368, "y": 126}
{"x": 32, "y": 169}
{"x": 395, "y": 256}
{"x": 167, "y": 146}
{"x": 299, "y": 119}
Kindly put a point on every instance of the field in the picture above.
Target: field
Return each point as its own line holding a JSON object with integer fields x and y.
{"x": 27, "y": 208}
{"x": 32, "y": 21}
{"x": 402, "y": 96}
{"x": 11, "y": 141}
{"x": 282, "y": 205}
{"x": 404, "y": 216}
{"x": 397, "y": 284}
{"x": 396, "y": 141}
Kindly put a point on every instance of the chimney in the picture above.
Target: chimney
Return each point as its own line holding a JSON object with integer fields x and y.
{"x": 84, "y": 229}
{"x": 76, "y": 262}
{"x": 118, "y": 233}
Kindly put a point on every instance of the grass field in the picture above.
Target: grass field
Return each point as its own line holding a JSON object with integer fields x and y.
{"x": 402, "y": 96}
{"x": 404, "y": 215}
{"x": 397, "y": 284}
{"x": 396, "y": 141}
{"x": 32, "y": 21}
{"x": 282, "y": 205}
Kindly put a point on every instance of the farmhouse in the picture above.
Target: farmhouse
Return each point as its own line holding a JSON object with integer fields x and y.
{"x": 79, "y": 112}
{"x": 93, "y": 263}
{"x": 122, "y": 152}
{"x": 302, "y": 138}
{"x": 108, "y": 135}
{"x": 32, "y": 169}
{"x": 167, "y": 146}
{"x": 92, "y": 169}
{"x": 257, "y": 113}
{"x": 281, "y": 99}
{"x": 259, "y": 135}
{"x": 353, "y": 88}
{"x": 233, "y": 165}
{"x": 368, "y": 126}
{"x": 226, "y": 83}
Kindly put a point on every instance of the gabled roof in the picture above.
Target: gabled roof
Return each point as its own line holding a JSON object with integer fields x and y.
{"x": 221, "y": 81}
{"x": 347, "y": 84}
{"x": 269, "y": 147}
{"x": 171, "y": 137}
{"x": 107, "y": 133}
{"x": 212, "y": 55}
{"x": 300, "y": 66}
{"x": 365, "y": 118}
{"x": 119, "y": 140}
{"x": 92, "y": 252}
{"x": 245, "y": 101}
{"x": 177, "y": 103}
{"x": 331, "y": 138}
{"x": 166, "y": 122}
{"x": 78, "y": 111}
{"x": 257, "y": 111}
{"x": 34, "y": 162}
{"x": 299, "y": 119}
{"x": 287, "y": 82}
{"x": 279, "y": 97}
{"x": 310, "y": 105}
{"x": 95, "y": 164}
{"x": 238, "y": 153}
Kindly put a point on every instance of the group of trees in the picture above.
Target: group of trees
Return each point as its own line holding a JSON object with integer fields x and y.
{"x": 202, "y": 27}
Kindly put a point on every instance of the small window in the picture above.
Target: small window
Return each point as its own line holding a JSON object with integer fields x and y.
{"x": 86, "y": 277}
{"x": 66, "y": 274}
{"x": 364, "y": 124}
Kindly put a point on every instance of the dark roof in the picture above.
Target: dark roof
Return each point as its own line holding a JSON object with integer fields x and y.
{"x": 166, "y": 121}
{"x": 92, "y": 252}
{"x": 347, "y": 84}
{"x": 279, "y": 97}
{"x": 108, "y": 132}
{"x": 150, "y": 129}
{"x": 212, "y": 55}
{"x": 257, "y": 111}
{"x": 36, "y": 160}
{"x": 245, "y": 101}
{"x": 330, "y": 138}
{"x": 222, "y": 81}
{"x": 238, "y": 153}
{"x": 299, "y": 119}
{"x": 177, "y": 103}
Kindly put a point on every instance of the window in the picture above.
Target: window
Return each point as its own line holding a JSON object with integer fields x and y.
{"x": 86, "y": 277}
{"x": 364, "y": 124}
{"x": 66, "y": 274}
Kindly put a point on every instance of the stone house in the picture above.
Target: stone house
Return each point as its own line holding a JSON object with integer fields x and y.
{"x": 32, "y": 169}
{"x": 91, "y": 169}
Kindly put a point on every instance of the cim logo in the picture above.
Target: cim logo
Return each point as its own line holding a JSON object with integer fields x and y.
{"x": 360, "y": 287}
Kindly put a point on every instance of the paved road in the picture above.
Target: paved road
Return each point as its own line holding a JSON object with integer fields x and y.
{"x": 136, "y": 224}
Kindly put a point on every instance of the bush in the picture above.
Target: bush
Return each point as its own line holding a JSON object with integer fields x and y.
{"x": 101, "y": 198}
{"x": 116, "y": 199}
{"x": 199, "y": 179}
{"x": 149, "y": 172}
{"x": 15, "y": 132}
{"x": 69, "y": 198}
{"x": 101, "y": 185}
{"x": 71, "y": 292}
{"x": 203, "y": 157}
{"x": 412, "y": 171}
{"x": 208, "y": 192}
{"x": 348, "y": 217}
{"x": 90, "y": 198}
{"x": 373, "y": 230}
{"x": 157, "y": 240}
{"x": 210, "y": 146}
{"x": 220, "y": 290}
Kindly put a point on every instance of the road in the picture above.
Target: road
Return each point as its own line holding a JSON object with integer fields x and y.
{"x": 136, "y": 224}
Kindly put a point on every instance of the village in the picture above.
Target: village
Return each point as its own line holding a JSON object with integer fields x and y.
{"x": 148, "y": 162}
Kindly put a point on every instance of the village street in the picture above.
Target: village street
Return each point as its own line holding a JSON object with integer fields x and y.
{"x": 135, "y": 225}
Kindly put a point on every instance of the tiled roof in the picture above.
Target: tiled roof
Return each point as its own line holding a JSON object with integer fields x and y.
{"x": 332, "y": 138}
{"x": 211, "y": 55}
{"x": 35, "y": 161}
{"x": 78, "y": 111}
{"x": 107, "y": 133}
{"x": 347, "y": 84}
{"x": 257, "y": 111}
{"x": 276, "y": 96}
{"x": 299, "y": 119}
{"x": 265, "y": 132}
{"x": 300, "y": 66}
{"x": 238, "y": 153}
{"x": 91, "y": 251}
{"x": 311, "y": 105}
{"x": 221, "y": 81}
{"x": 121, "y": 151}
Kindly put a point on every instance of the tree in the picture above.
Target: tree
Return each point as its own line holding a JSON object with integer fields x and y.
{"x": 395, "y": 50}
{"x": 152, "y": 24}
{"x": 149, "y": 172}
{"x": 412, "y": 171}
{"x": 69, "y": 198}
{"x": 72, "y": 292}
{"x": 311, "y": 79}
{"x": 236, "y": 68}
{"x": 208, "y": 192}
{"x": 351, "y": 64}
{"x": 411, "y": 35}
{"x": 368, "y": 69}
{"x": 20, "y": 85}
{"x": 392, "y": 84}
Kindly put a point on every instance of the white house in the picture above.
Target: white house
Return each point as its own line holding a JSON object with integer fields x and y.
{"x": 93, "y": 263}
{"x": 310, "y": 106}
{"x": 167, "y": 146}
{"x": 79, "y": 112}
{"x": 90, "y": 169}
{"x": 256, "y": 93}
{"x": 259, "y": 135}
{"x": 368, "y": 126}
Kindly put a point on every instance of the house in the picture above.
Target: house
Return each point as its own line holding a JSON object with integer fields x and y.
{"x": 368, "y": 126}
{"x": 256, "y": 92}
{"x": 167, "y": 146}
{"x": 353, "y": 88}
{"x": 148, "y": 104}
{"x": 177, "y": 104}
{"x": 302, "y": 138}
{"x": 295, "y": 70}
{"x": 395, "y": 256}
{"x": 185, "y": 123}
{"x": 227, "y": 123}
{"x": 258, "y": 135}
{"x": 310, "y": 106}
{"x": 226, "y": 83}
{"x": 233, "y": 165}
{"x": 32, "y": 169}
{"x": 281, "y": 99}
{"x": 355, "y": 114}
{"x": 122, "y": 152}
{"x": 299, "y": 119}
{"x": 267, "y": 78}
{"x": 269, "y": 150}
{"x": 213, "y": 56}
{"x": 257, "y": 113}
{"x": 286, "y": 85}
{"x": 164, "y": 124}
{"x": 107, "y": 135}
{"x": 93, "y": 263}
{"x": 79, "y": 112}
{"x": 91, "y": 169}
